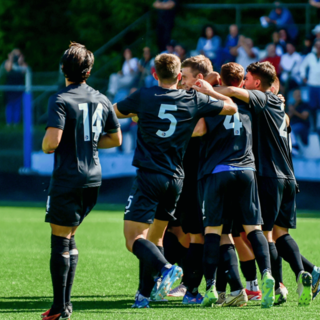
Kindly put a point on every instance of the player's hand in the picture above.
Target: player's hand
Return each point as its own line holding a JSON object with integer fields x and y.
{"x": 213, "y": 78}
{"x": 281, "y": 97}
{"x": 202, "y": 86}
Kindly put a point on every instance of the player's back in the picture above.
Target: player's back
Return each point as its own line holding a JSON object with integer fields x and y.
{"x": 82, "y": 115}
{"x": 270, "y": 137}
{"x": 228, "y": 141}
{"x": 167, "y": 118}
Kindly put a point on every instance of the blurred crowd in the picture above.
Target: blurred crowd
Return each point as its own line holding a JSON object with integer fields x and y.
{"x": 298, "y": 70}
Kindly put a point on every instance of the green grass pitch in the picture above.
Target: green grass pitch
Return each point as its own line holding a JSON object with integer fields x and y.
{"x": 107, "y": 275}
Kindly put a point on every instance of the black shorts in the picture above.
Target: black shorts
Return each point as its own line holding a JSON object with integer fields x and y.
{"x": 188, "y": 213}
{"x": 69, "y": 206}
{"x": 278, "y": 202}
{"x": 153, "y": 196}
{"x": 231, "y": 196}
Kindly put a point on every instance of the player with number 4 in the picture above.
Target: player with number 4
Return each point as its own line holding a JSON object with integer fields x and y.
{"x": 167, "y": 118}
{"x": 80, "y": 120}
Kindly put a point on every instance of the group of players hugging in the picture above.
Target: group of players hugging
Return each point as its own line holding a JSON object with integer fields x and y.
{"x": 214, "y": 174}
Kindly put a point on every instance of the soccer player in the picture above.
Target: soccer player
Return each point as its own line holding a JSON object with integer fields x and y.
{"x": 80, "y": 120}
{"x": 167, "y": 117}
{"x": 276, "y": 180}
{"x": 228, "y": 168}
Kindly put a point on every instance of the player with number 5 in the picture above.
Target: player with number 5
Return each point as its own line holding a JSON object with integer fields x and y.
{"x": 167, "y": 118}
{"x": 80, "y": 120}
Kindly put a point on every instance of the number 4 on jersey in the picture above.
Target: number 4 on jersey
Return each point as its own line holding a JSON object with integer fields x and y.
{"x": 236, "y": 125}
{"x": 96, "y": 121}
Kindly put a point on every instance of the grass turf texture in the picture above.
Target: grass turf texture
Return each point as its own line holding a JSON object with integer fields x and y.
{"x": 107, "y": 275}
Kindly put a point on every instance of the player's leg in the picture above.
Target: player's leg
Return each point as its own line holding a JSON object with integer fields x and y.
{"x": 287, "y": 247}
{"x": 237, "y": 296}
{"x": 215, "y": 193}
{"x": 247, "y": 263}
{"x": 64, "y": 215}
{"x": 251, "y": 220}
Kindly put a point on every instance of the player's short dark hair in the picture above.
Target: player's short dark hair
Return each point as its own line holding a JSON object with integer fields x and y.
{"x": 167, "y": 67}
{"x": 232, "y": 74}
{"x": 77, "y": 62}
{"x": 264, "y": 71}
{"x": 198, "y": 64}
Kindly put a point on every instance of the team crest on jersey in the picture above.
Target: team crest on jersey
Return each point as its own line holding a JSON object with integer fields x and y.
{"x": 163, "y": 134}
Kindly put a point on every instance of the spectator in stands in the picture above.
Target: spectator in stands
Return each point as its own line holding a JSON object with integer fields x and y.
{"x": 281, "y": 17}
{"x": 289, "y": 67}
{"x": 299, "y": 117}
{"x": 181, "y": 52}
{"x": 307, "y": 45}
{"x": 125, "y": 78}
{"x": 209, "y": 43}
{"x": 280, "y": 44}
{"x": 272, "y": 57}
{"x": 316, "y": 4}
{"x": 316, "y": 31}
{"x": 225, "y": 54}
{"x": 310, "y": 73}
{"x": 15, "y": 68}
{"x": 245, "y": 52}
{"x": 145, "y": 64}
{"x": 170, "y": 47}
{"x": 166, "y": 15}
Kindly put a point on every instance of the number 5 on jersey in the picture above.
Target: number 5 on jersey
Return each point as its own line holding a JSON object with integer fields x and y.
{"x": 173, "y": 121}
{"x": 96, "y": 121}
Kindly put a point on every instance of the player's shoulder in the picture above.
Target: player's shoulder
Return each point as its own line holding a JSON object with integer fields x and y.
{"x": 273, "y": 99}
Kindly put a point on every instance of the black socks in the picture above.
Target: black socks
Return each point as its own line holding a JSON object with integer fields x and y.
{"x": 59, "y": 268}
{"x": 249, "y": 269}
{"x": 193, "y": 270}
{"x": 211, "y": 257}
{"x": 74, "y": 254}
{"x": 276, "y": 264}
{"x": 260, "y": 249}
{"x": 174, "y": 251}
{"x": 149, "y": 254}
{"x": 307, "y": 265}
{"x": 289, "y": 251}
{"x": 230, "y": 263}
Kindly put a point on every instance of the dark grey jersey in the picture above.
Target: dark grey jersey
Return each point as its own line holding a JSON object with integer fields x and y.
{"x": 270, "y": 136}
{"x": 166, "y": 122}
{"x": 228, "y": 141}
{"x": 83, "y": 114}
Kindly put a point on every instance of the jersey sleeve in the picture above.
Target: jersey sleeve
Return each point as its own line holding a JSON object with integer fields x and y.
{"x": 56, "y": 113}
{"x": 130, "y": 104}
{"x": 208, "y": 106}
{"x": 257, "y": 100}
{"x": 112, "y": 123}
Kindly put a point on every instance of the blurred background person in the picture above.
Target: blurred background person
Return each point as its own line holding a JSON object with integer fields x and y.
{"x": 307, "y": 45}
{"x": 310, "y": 74}
{"x": 166, "y": 14}
{"x": 170, "y": 47}
{"x": 316, "y": 31}
{"x": 280, "y": 45}
{"x": 16, "y": 69}
{"x": 124, "y": 79}
{"x": 209, "y": 43}
{"x": 245, "y": 52}
{"x": 272, "y": 57}
{"x": 281, "y": 17}
{"x": 181, "y": 52}
{"x": 289, "y": 67}
{"x": 145, "y": 65}
{"x": 299, "y": 117}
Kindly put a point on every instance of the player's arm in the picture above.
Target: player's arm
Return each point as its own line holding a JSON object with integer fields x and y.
{"x": 121, "y": 115}
{"x": 234, "y": 92}
{"x": 229, "y": 108}
{"x": 110, "y": 140}
{"x": 51, "y": 139}
{"x": 200, "y": 129}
